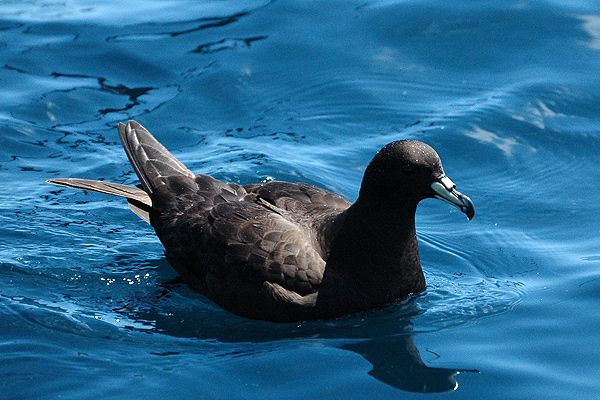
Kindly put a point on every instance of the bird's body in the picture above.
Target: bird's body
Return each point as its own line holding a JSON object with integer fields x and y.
{"x": 285, "y": 251}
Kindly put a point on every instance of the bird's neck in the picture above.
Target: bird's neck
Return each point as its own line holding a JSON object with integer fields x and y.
{"x": 374, "y": 255}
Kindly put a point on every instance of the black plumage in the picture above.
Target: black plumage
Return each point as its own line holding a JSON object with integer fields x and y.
{"x": 286, "y": 251}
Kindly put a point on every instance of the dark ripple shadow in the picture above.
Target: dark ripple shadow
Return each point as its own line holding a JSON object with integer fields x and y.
{"x": 52, "y": 105}
{"x": 133, "y": 94}
{"x": 226, "y": 44}
{"x": 204, "y": 23}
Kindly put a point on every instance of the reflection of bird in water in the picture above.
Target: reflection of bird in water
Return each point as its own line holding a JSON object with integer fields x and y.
{"x": 397, "y": 362}
{"x": 383, "y": 338}
{"x": 287, "y": 251}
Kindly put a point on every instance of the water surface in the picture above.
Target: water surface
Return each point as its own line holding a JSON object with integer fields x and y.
{"x": 303, "y": 91}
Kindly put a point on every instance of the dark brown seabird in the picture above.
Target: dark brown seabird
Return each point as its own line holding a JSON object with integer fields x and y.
{"x": 284, "y": 251}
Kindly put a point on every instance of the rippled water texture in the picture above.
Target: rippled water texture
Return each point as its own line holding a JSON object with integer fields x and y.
{"x": 508, "y": 92}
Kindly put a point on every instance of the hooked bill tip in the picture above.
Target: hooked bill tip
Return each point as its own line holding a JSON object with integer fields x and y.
{"x": 468, "y": 208}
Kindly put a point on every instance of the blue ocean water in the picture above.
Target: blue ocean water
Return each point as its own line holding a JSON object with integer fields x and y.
{"x": 507, "y": 92}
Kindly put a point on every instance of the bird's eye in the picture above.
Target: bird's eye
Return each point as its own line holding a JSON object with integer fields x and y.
{"x": 408, "y": 169}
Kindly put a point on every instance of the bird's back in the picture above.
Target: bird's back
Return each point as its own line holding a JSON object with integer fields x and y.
{"x": 228, "y": 240}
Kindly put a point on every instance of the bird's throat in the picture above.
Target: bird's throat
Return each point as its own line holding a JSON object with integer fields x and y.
{"x": 375, "y": 254}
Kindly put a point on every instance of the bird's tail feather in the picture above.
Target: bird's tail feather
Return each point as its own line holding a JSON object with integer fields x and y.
{"x": 150, "y": 159}
{"x": 139, "y": 201}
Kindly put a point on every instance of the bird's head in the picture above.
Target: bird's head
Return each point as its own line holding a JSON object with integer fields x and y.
{"x": 410, "y": 171}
